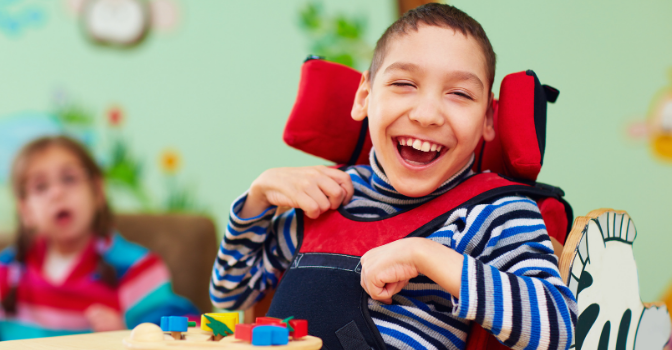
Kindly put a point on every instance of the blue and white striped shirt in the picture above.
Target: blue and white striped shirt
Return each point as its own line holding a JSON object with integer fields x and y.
{"x": 510, "y": 279}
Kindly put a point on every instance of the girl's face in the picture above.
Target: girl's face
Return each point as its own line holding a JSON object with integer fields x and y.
{"x": 61, "y": 199}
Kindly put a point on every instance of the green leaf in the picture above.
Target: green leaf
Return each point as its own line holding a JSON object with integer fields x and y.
{"x": 74, "y": 116}
{"x": 286, "y": 322}
{"x": 310, "y": 16}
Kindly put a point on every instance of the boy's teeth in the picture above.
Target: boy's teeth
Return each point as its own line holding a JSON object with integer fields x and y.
{"x": 424, "y": 146}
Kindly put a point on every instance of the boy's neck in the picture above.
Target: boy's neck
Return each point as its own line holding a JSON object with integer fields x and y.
{"x": 445, "y": 186}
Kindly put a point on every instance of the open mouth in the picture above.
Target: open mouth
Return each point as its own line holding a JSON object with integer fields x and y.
{"x": 63, "y": 217}
{"x": 418, "y": 152}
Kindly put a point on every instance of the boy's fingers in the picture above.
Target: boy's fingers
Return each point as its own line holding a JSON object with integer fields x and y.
{"x": 333, "y": 191}
{"x": 320, "y": 198}
{"x": 343, "y": 179}
{"x": 308, "y": 205}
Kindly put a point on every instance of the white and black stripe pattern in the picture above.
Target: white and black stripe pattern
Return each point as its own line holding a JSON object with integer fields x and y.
{"x": 510, "y": 281}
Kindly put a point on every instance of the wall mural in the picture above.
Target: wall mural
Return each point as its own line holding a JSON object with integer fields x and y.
{"x": 338, "y": 38}
{"x": 17, "y": 16}
{"x": 657, "y": 128}
{"x": 121, "y": 164}
{"x": 123, "y": 23}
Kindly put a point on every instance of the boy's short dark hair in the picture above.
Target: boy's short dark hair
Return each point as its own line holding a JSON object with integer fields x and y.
{"x": 440, "y": 15}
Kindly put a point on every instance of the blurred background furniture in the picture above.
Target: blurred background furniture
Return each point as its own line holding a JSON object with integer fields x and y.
{"x": 186, "y": 243}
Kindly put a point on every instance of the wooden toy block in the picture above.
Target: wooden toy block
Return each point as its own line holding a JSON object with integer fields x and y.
{"x": 175, "y": 325}
{"x": 269, "y": 321}
{"x": 279, "y": 336}
{"x": 220, "y": 325}
{"x": 148, "y": 336}
{"x": 244, "y": 331}
{"x": 230, "y": 319}
{"x": 300, "y": 328}
{"x": 261, "y": 335}
{"x": 265, "y": 335}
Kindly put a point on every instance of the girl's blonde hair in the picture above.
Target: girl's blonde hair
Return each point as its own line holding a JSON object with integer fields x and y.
{"x": 103, "y": 223}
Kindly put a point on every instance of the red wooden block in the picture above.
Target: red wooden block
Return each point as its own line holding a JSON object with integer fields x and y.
{"x": 300, "y": 328}
{"x": 270, "y": 321}
{"x": 244, "y": 331}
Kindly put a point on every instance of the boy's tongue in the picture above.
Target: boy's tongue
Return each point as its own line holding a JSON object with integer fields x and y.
{"x": 411, "y": 154}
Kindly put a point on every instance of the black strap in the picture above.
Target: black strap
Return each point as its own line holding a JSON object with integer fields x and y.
{"x": 351, "y": 337}
{"x": 551, "y": 93}
{"x": 363, "y": 132}
{"x": 326, "y": 260}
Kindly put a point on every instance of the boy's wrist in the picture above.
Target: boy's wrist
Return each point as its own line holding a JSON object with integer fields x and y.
{"x": 439, "y": 263}
{"x": 255, "y": 203}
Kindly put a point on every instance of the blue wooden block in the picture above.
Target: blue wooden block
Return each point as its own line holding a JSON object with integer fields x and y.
{"x": 178, "y": 324}
{"x": 269, "y": 335}
{"x": 174, "y": 324}
{"x": 280, "y": 336}
{"x": 165, "y": 324}
{"x": 261, "y": 335}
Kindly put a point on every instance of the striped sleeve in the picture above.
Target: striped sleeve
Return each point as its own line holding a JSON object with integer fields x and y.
{"x": 510, "y": 281}
{"x": 253, "y": 254}
{"x": 145, "y": 290}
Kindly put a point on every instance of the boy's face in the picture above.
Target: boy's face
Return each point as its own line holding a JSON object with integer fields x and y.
{"x": 428, "y": 107}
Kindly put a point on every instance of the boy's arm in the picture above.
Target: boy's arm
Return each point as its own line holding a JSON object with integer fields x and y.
{"x": 258, "y": 245}
{"x": 253, "y": 254}
{"x": 510, "y": 282}
{"x": 498, "y": 262}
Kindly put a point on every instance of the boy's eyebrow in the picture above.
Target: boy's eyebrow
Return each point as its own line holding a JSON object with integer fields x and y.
{"x": 412, "y": 67}
{"x": 462, "y": 75}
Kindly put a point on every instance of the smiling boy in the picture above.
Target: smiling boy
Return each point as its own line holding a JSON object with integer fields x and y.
{"x": 428, "y": 100}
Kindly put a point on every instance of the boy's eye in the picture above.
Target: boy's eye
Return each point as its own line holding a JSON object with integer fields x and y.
{"x": 402, "y": 84}
{"x": 462, "y": 94}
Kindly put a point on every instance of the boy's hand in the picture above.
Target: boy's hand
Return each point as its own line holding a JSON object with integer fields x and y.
{"x": 103, "y": 318}
{"x": 313, "y": 189}
{"x": 387, "y": 269}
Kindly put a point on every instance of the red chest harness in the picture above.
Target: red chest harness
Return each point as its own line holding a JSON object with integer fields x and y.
{"x": 322, "y": 283}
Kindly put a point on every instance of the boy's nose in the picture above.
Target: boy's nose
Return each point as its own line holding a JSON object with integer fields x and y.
{"x": 427, "y": 113}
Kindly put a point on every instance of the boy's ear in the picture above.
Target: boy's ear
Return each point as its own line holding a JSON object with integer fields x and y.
{"x": 489, "y": 122}
{"x": 360, "y": 108}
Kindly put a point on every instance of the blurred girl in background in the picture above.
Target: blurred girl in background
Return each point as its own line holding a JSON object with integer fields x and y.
{"x": 69, "y": 272}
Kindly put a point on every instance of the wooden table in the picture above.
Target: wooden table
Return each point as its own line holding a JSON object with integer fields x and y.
{"x": 102, "y": 341}
{"x": 113, "y": 341}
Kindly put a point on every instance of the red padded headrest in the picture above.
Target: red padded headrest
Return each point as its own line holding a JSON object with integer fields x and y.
{"x": 320, "y": 122}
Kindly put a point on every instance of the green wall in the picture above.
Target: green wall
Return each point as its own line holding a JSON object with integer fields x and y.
{"x": 219, "y": 87}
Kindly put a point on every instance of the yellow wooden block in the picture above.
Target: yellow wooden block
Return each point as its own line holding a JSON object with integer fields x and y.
{"x": 230, "y": 319}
